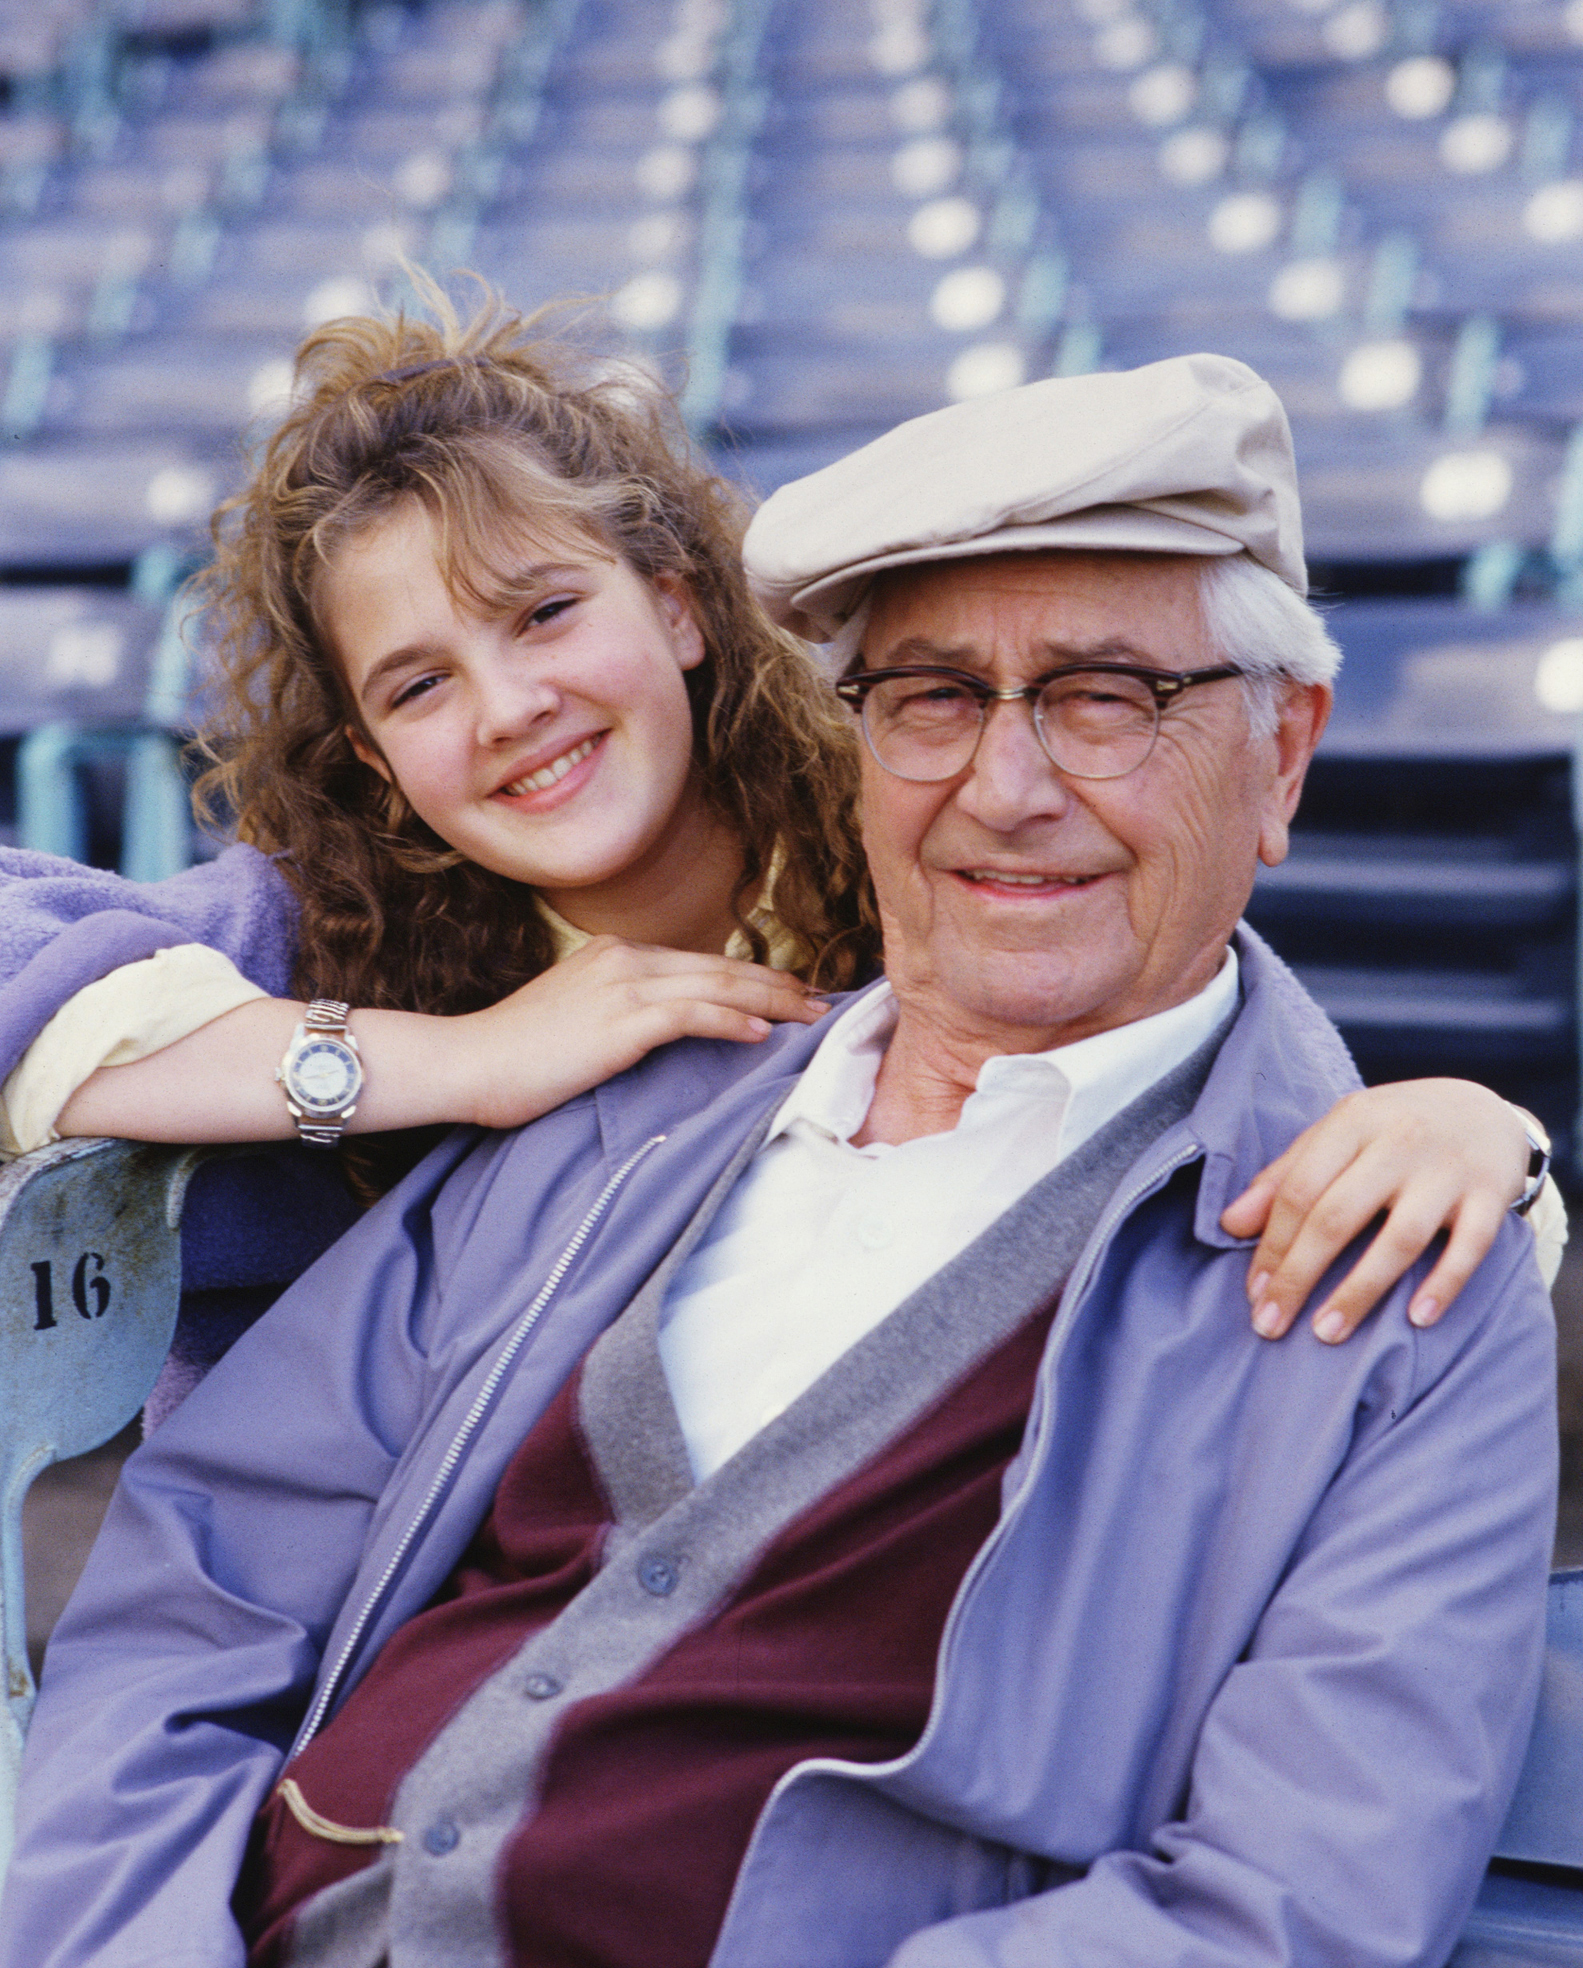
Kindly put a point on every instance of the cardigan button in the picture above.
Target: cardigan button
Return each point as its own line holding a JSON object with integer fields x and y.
{"x": 658, "y": 1575}
{"x": 541, "y": 1687}
{"x": 441, "y": 1837}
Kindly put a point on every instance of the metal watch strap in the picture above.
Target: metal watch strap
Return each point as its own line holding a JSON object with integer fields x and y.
{"x": 1538, "y": 1168}
{"x": 330, "y": 1016}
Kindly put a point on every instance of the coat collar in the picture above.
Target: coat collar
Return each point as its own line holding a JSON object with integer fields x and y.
{"x": 1282, "y": 1066}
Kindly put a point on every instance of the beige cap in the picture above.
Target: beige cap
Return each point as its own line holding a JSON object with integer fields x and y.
{"x": 1190, "y": 456}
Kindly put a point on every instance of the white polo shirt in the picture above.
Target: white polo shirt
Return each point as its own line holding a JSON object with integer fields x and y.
{"x": 819, "y": 1240}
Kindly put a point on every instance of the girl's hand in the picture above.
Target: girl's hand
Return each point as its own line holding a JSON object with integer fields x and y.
{"x": 602, "y": 1009}
{"x": 1433, "y": 1154}
{"x": 593, "y": 1015}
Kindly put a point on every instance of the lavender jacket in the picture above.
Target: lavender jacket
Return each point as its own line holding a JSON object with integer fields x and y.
{"x": 1243, "y": 1676}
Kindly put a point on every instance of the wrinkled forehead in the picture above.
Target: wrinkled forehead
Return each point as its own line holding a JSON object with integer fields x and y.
{"x": 1012, "y": 607}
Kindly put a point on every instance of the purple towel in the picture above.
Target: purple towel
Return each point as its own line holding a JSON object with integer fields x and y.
{"x": 63, "y": 926}
{"x": 254, "y": 1218}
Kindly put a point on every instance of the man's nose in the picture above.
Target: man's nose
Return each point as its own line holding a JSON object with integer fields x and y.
{"x": 1011, "y": 779}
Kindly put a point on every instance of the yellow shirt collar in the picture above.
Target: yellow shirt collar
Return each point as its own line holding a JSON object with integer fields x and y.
{"x": 786, "y": 951}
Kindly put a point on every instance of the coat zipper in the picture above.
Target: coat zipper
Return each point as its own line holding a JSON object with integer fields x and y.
{"x": 834, "y": 1766}
{"x": 459, "y": 1441}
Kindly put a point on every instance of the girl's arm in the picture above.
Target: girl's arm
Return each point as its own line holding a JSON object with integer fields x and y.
{"x": 589, "y": 1017}
{"x": 1432, "y": 1156}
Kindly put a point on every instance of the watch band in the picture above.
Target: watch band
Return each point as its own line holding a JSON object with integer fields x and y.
{"x": 324, "y": 1018}
{"x": 1538, "y": 1164}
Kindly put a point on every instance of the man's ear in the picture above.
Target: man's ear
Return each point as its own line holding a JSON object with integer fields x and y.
{"x": 1303, "y": 713}
{"x": 368, "y": 754}
{"x": 676, "y": 606}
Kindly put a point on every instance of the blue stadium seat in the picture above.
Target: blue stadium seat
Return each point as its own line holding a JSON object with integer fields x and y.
{"x": 82, "y": 655}
{"x": 93, "y": 504}
{"x": 1430, "y": 899}
{"x": 205, "y": 389}
{"x": 1527, "y": 1915}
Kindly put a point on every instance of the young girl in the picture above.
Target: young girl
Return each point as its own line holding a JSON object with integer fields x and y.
{"x": 524, "y": 777}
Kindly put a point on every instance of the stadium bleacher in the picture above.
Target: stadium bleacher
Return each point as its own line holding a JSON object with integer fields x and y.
{"x": 817, "y": 219}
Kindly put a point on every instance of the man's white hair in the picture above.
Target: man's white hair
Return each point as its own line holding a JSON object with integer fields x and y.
{"x": 1252, "y": 619}
{"x": 844, "y": 647}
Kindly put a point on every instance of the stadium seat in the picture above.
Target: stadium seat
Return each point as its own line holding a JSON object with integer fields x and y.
{"x": 1430, "y": 898}
{"x": 91, "y": 1256}
{"x": 1527, "y": 1912}
{"x": 82, "y": 655}
{"x": 102, "y": 1244}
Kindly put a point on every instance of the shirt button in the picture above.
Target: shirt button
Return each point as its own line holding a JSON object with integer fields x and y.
{"x": 658, "y": 1575}
{"x": 873, "y": 1233}
{"x": 541, "y": 1687}
{"x": 441, "y": 1837}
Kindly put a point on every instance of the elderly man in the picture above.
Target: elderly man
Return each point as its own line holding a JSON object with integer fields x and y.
{"x": 826, "y": 1506}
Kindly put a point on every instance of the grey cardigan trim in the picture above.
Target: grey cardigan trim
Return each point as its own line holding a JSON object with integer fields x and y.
{"x": 679, "y": 1551}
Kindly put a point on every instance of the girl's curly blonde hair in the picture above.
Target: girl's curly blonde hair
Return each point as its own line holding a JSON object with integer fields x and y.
{"x": 499, "y": 431}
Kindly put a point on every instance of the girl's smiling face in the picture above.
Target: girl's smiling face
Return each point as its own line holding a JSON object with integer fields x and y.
{"x": 551, "y": 743}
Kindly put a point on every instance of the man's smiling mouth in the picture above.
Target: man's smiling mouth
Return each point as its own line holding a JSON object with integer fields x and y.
{"x": 1001, "y": 878}
{"x": 551, "y": 774}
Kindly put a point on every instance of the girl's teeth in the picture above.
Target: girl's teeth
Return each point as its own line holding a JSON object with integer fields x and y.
{"x": 549, "y": 775}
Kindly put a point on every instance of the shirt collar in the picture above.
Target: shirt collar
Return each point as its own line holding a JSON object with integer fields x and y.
{"x": 1086, "y": 1082}
{"x": 785, "y": 951}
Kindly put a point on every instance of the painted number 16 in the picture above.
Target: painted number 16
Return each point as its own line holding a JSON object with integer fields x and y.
{"x": 90, "y": 1289}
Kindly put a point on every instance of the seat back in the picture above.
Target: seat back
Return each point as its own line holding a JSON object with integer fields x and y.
{"x": 1545, "y": 1823}
{"x": 90, "y": 1278}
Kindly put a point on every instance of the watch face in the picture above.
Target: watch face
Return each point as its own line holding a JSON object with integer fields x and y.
{"x": 325, "y": 1076}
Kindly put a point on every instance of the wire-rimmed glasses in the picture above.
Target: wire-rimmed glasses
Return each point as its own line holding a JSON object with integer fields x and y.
{"x": 1097, "y": 721}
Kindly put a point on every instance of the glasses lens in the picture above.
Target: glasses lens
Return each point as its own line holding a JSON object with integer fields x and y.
{"x": 921, "y": 727}
{"x": 1095, "y": 725}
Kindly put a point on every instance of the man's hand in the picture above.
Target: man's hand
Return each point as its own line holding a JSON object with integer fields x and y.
{"x": 1432, "y": 1155}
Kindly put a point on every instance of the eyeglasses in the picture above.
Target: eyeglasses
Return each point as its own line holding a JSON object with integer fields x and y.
{"x": 1097, "y": 722}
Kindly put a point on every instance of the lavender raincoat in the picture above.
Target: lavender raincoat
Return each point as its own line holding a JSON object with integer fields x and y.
{"x": 1243, "y": 1676}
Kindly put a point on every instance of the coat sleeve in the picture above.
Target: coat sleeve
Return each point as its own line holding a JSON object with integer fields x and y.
{"x": 185, "y": 1659}
{"x": 1354, "y": 1768}
{"x": 63, "y": 926}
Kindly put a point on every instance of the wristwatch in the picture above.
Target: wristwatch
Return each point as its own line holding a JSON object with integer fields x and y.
{"x": 1538, "y": 1163}
{"x": 322, "y": 1073}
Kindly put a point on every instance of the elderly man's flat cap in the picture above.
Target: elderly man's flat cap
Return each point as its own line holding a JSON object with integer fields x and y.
{"x": 1190, "y": 456}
